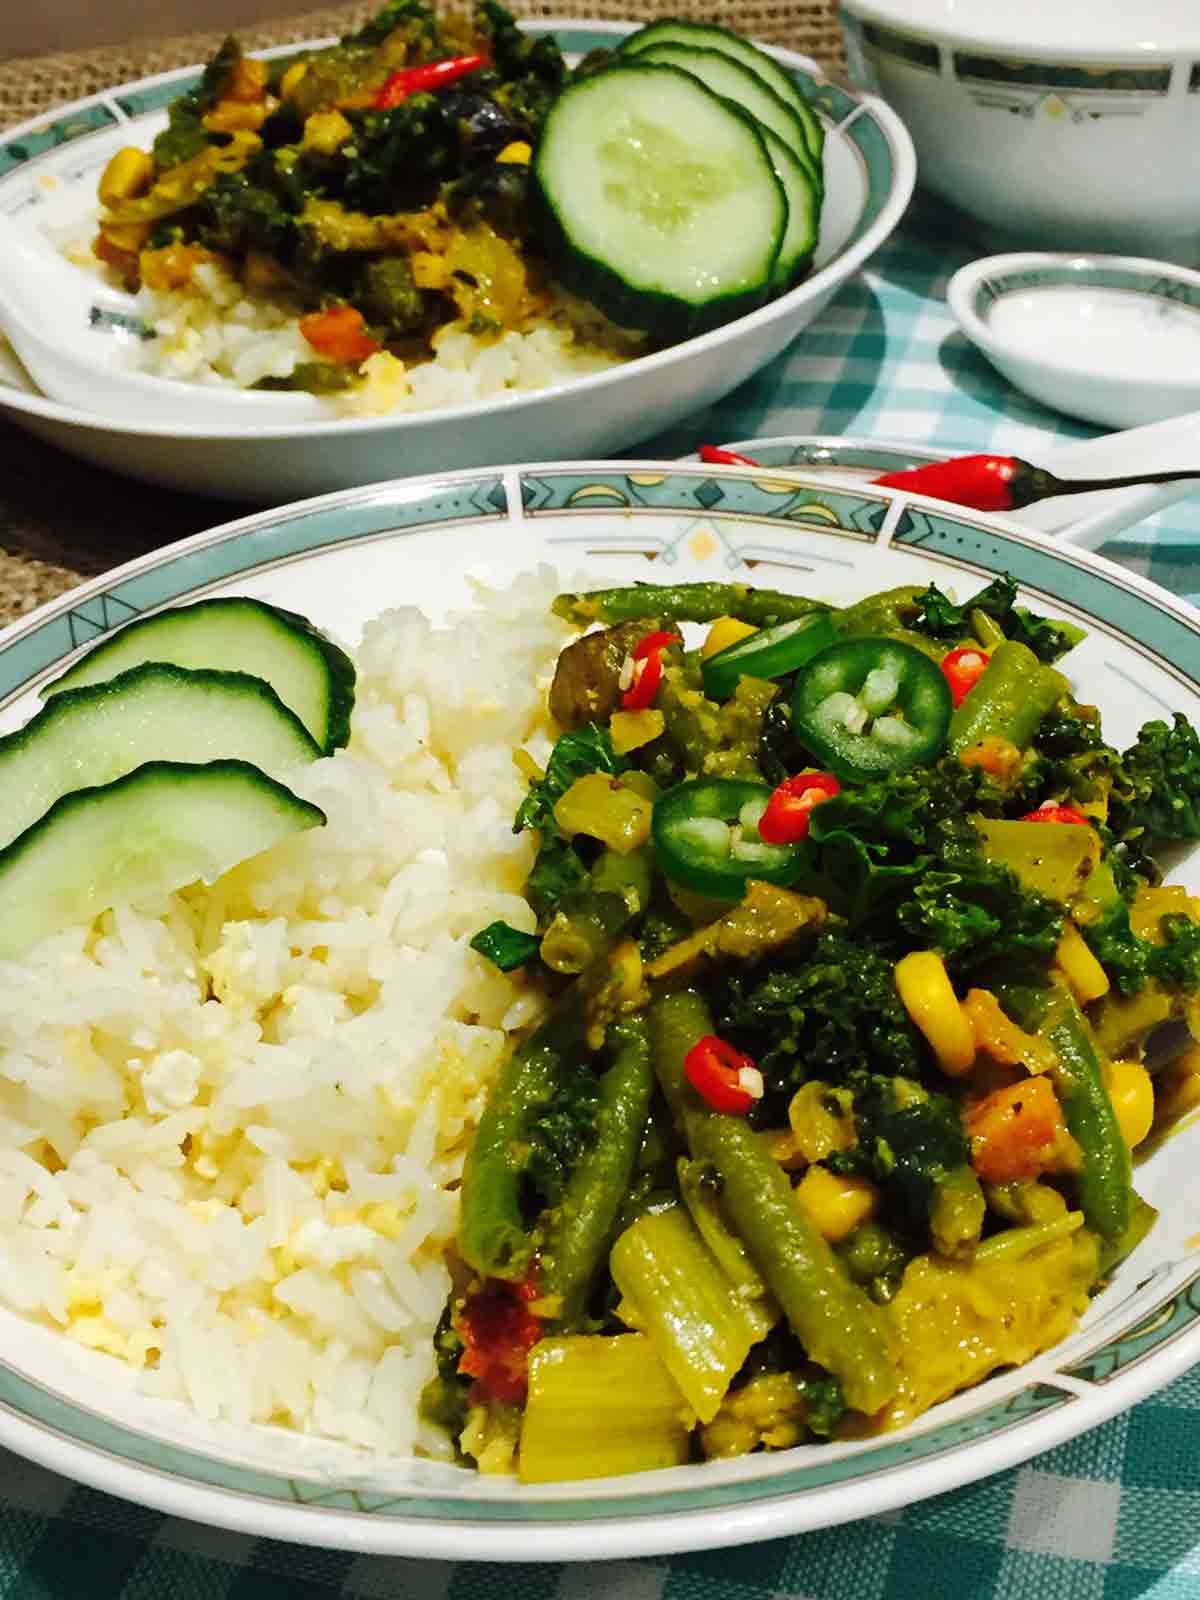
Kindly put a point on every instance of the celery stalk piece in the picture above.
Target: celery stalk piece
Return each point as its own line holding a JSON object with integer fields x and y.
{"x": 599, "y": 1406}
{"x": 672, "y": 1285}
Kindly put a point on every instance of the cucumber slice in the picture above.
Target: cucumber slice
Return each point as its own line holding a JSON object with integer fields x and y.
{"x": 306, "y": 670}
{"x": 157, "y": 829}
{"x": 660, "y": 199}
{"x": 155, "y": 712}
{"x": 706, "y": 36}
{"x": 804, "y": 211}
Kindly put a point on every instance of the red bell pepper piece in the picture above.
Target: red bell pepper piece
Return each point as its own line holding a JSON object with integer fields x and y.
{"x": 963, "y": 669}
{"x": 786, "y": 819}
{"x": 723, "y": 1077}
{"x": 424, "y": 80}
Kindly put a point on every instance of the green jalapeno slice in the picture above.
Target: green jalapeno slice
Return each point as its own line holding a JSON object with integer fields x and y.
{"x": 706, "y": 838}
{"x": 768, "y": 653}
{"x": 870, "y": 707}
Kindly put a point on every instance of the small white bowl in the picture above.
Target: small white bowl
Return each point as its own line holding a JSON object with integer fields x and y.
{"x": 1111, "y": 339}
{"x": 1057, "y": 124}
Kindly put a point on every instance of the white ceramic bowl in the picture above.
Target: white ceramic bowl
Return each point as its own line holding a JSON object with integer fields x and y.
{"x": 1059, "y": 124}
{"x": 48, "y": 174}
{"x": 1112, "y": 339}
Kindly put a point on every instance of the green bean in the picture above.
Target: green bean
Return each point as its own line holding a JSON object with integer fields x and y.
{"x": 685, "y": 602}
{"x": 492, "y": 1236}
{"x": 1104, "y": 1182}
{"x": 579, "y": 1230}
{"x": 1142, "y": 1218}
{"x": 628, "y": 875}
{"x": 1013, "y": 695}
{"x": 832, "y": 1317}
{"x": 582, "y": 931}
{"x": 1014, "y": 1244}
{"x": 986, "y": 629}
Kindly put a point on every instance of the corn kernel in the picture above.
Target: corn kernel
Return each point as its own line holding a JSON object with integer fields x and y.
{"x": 1132, "y": 1094}
{"x": 126, "y": 176}
{"x": 928, "y": 996}
{"x": 835, "y": 1206}
{"x": 516, "y": 154}
{"x": 1083, "y": 972}
{"x": 724, "y": 632}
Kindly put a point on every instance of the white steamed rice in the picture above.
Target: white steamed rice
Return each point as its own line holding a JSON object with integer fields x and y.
{"x": 213, "y": 333}
{"x": 231, "y": 1124}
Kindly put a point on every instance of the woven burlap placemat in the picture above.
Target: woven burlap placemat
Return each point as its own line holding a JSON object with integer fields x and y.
{"x": 62, "y": 520}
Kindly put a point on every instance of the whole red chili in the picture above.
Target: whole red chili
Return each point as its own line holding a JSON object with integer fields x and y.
{"x": 963, "y": 669}
{"x": 723, "y": 1077}
{"x": 786, "y": 819}
{"x": 647, "y": 670}
{"x": 1055, "y": 814}
{"x": 1005, "y": 483}
{"x": 424, "y": 80}
{"x": 724, "y": 458}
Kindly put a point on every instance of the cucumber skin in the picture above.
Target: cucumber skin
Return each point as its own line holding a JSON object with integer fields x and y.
{"x": 625, "y": 304}
{"x": 338, "y": 664}
{"x": 69, "y": 702}
{"x": 307, "y": 814}
{"x": 681, "y": 30}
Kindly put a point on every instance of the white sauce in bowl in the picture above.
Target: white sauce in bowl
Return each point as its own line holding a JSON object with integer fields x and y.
{"x": 1105, "y": 331}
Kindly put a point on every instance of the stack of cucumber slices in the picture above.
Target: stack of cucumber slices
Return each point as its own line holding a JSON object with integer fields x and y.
{"x": 153, "y": 765}
{"x": 681, "y": 183}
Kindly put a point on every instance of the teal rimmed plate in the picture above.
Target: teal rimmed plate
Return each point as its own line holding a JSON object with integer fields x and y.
{"x": 421, "y": 541}
{"x": 49, "y": 169}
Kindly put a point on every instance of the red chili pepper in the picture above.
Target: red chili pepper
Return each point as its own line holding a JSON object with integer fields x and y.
{"x": 963, "y": 669}
{"x": 724, "y": 458}
{"x": 647, "y": 670}
{"x": 786, "y": 819}
{"x": 498, "y": 1330}
{"x": 1055, "y": 814}
{"x": 1006, "y": 483}
{"x": 424, "y": 80}
{"x": 723, "y": 1077}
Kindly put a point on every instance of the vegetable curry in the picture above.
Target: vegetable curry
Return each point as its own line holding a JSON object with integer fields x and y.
{"x": 850, "y": 961}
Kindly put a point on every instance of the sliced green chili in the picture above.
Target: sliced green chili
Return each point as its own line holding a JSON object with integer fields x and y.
{"x": 706, "y": 838}
{"x": 767, "y": 653}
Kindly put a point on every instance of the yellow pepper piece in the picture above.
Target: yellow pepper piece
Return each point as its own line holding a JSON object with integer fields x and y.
{"x": 1132, "y": 1094}
{"x": 127, "y": 175}
{"x": 1083, "y": 972}
{"x": 632, "y": 729}
{"x": 835, "y": 1206}
{"x": 516, "y": 154}
{"x": 724, "y": 632}
{"x": 927, "y": 994}
{"x": 429, "y": 271}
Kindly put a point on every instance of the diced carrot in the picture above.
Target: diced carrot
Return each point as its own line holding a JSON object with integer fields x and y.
{"x": 125, "y": 262}
{"x": 1018, "y": 1132}
{"x": 998, "y": 757}
{"x": 339, "y": 334}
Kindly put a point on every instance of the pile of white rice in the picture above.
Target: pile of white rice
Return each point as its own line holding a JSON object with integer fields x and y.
{"x": 231, "y": 1124}
{"x": 213, "y": 333}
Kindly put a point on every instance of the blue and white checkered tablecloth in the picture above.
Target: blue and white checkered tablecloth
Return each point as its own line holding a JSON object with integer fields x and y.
{"x": 1112, "y": 1515}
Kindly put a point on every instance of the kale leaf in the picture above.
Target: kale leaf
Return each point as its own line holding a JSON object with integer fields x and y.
{"x": 575, "y": 754}
{"x": 1156, "y": 789}
{"x": 941, "y": 619}
{"x": 907, "y": 1141}
{"x": 506, "y": 947}
{"x": 830, "y": 1013}
{"x": 556, "y": 875}
{"x": 396, "y": 14}
{"x": 1132, "y": 962}
{"x": 185, "y": 135}
{"x": 974, "y": 910}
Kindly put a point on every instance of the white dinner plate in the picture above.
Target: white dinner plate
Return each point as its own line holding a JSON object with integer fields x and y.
{"x": 341, "y": 559}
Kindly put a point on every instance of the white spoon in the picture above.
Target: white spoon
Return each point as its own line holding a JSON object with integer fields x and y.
{"x": 78, "y": 338}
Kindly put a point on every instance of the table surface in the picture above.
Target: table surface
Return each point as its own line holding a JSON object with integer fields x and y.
{"x": 1114, "y": 1514}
